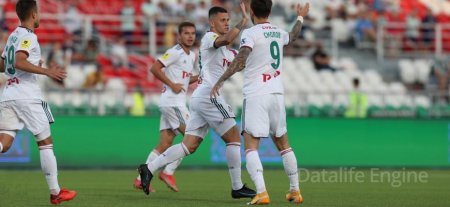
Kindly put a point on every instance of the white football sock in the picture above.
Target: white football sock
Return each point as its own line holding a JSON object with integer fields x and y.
{"x": 172, "y": 154}
{"x": 152, "y": 156}
{"x": 233, "y": 153}
{"x": 49, "y": 167}
{"x": 291, "y": 168}
{"x": 255, "y": 169}
{"x": 171, "y": 167}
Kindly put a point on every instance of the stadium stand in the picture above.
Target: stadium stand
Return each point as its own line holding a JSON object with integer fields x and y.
{"x": 408, "y": 90}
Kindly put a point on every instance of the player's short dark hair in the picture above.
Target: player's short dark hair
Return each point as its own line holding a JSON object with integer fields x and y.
{"x": 261, "y": 8}
{"x": 24, "y": 8}
{"x": 215, "y": 10}
{"x": 183, "y": 25}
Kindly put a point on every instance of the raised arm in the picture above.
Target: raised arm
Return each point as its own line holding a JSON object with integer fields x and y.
{"x": 229, "y": 37}
{"x": 302, "y": 11}
{"x": 237, "y": 65}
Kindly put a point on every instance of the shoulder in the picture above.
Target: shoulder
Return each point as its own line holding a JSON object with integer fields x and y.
{"x": 27, "y": 41}
{"x": 28, "y": 36}
{"x": 175, "y": 50}
{"x": 209, "y": 37}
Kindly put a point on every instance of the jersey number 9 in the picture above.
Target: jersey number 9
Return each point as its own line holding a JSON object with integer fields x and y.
{"x": 9, "y": 60}
{"x": 275, "y": 52}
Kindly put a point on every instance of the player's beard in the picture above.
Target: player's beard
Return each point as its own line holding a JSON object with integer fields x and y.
{"x": 36, "y": 24}
{"x": 253, "y": 19}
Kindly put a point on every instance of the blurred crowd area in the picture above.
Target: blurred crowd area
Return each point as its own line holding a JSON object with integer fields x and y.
{"x": 109, "y": 45}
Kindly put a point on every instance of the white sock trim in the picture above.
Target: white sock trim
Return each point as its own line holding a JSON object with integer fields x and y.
{"x": 185, "y": 149}
{"x": 283, "y": 152}
{"x": 44, "y": 147}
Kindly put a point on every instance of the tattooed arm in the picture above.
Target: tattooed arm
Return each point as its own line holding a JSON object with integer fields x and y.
{"x": 237, "y": 65}
{"x": 295, "y": 32}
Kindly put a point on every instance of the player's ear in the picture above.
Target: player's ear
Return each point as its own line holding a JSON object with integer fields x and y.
{"x": 211, "y": 22}
{"x": 34, "y": 14}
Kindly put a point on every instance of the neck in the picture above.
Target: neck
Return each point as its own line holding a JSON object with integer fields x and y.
{"x": 215, "y": 31}
{"x": 260, "y": 20}
{"x": 29, "y": 25}
{"x": 185, "y": 48}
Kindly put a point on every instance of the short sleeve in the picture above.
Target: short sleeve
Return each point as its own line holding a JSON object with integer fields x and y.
{"x": 26, "y": 44}
{"x": 208, "y": 40}
{"x": 170, "y": 57}
{"x": 285, "y": 38}
{"x": 247, "y": 40}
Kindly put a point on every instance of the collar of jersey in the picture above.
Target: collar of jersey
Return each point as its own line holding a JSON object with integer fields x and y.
{"x": 29, "y": 30}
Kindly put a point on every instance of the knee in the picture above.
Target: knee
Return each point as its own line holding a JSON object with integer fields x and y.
{"x": 282, "y": 146}
{"x": 163, "y": 146}
{"x": 192, "y": 148}
{"x": 189, "y": 147}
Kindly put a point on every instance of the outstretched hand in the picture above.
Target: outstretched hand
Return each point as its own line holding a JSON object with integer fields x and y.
{"x": 215, "y": 90}
{"x": 177, "y": 88}
{"x": 56, "y": 73}
{"x": 302, "y": 10}
{"x": 244, "y": 12}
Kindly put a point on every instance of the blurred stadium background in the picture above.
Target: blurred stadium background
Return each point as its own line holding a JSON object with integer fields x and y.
{"x": 392, "y": 46}
{"x": 398, "y": 49}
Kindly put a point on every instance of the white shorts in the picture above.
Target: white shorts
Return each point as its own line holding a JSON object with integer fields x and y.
{"x": 205, "y": 113}
{"x": 172, "y": 117}
{"x": 35, "y": 115}
{"x": 264, "y": 115}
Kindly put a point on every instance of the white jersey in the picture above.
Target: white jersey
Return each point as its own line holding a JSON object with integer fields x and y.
{"x": 263, "y": 69}
{"x": 178, "y": 68}
{"x": 21, "y": 85}
{"x": 213, "y": 63}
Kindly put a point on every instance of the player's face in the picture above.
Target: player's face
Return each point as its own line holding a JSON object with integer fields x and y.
{"x": 220, "y": 23}
{"x": 187, "y": 36}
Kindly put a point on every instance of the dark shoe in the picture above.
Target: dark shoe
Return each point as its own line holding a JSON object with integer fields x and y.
{"x": 244, "y": 192}
{"x": 146, "y": 177}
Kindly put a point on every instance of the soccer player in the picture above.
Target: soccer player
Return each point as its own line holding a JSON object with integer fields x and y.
{"x": 261, "y": 54}
{"x": 21, "y": 104}
{"x": 206, "y": 112}
{"x": 178, "y": 63}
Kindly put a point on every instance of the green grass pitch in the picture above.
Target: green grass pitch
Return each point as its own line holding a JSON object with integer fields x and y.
{"x": 212, "y": 188}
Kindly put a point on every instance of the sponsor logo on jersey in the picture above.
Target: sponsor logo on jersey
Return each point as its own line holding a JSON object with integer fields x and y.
{"x": 165, "y": 56}
{"x": 268, "y": 27}
{"x": 243, "y": 41}
{"x": 25, "y": 44}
